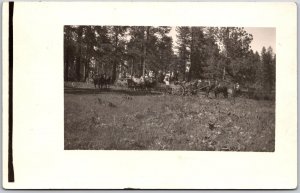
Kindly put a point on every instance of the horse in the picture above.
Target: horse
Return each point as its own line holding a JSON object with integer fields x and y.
{"x": 97, "y": 81}
{"x": 130, "y": 83}
{"x": 101, "y": 81}
{"x": 217, "y": 88}
{"x": 221, "y": 89}
{"x": 149, "y": 83}
{"x": 106, "y": 80}
{"x": 109, "y": 81}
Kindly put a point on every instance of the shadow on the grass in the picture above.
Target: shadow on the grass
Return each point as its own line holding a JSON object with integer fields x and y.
{"x": 85, "y": 91}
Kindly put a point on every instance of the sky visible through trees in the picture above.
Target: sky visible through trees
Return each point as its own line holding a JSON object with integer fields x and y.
{"x": 262, "y": 37}
{"x": 234, "y": 54}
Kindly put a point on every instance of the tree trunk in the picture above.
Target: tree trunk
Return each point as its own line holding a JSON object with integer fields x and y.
{"x": 78, "y": 68}
{"x": 86, "y": 70}
{"x": 146, "y": 38}
{"x": 78, "y": 59}
{"x": 114, "y": 72}
{"x": 191, "y": 69}
{"x": 141, "y": 66}
{"x": 66, "y": 73}
{"x": 114, "y": 69}
{"x": 132, "y": 68}
{"x": 87, "y": 64}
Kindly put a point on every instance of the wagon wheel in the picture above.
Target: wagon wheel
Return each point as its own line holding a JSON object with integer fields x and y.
{"x": 178, "y": 90}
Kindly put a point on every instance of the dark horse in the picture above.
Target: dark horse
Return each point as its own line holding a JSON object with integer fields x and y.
{"x": 221, "y": 89}
{"x": 217, "y": 88}
{"x": 106, "y": 81}
{"x": 97, "y": 79}
{"x": 150, "y": 83}
{"x": 102, "y": 81}
{"x": 225, "y": 89}
{"x": 131, "y": 83}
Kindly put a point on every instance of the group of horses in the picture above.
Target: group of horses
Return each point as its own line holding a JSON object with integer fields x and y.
{"x": 102, "y": 81}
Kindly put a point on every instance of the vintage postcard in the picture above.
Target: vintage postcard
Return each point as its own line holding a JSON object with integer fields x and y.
{"x": 149, "y": 95}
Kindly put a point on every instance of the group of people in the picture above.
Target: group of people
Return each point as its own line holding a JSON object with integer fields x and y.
{"x": 167, "y": 77}
{"x": 142, "y": 82}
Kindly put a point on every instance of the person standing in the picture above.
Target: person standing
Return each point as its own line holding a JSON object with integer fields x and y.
{"x": 167, "y": 79}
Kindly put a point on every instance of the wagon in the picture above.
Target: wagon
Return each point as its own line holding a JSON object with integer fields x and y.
{"x": 194, "y": 87}
{"x": 184, "y": 88}
{"x": 174, "y": 89}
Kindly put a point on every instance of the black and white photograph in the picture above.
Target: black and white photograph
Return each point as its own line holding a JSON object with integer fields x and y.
{"x": 149, "y": 95}
{"x": 169, "y": 88}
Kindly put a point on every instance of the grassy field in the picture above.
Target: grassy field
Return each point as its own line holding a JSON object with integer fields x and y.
{"x": 131, "y": 120}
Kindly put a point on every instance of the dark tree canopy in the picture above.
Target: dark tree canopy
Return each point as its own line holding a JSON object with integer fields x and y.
{"x": 222, "y": 53}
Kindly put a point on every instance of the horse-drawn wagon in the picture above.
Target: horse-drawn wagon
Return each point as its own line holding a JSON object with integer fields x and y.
{"x": 182, "y": 88}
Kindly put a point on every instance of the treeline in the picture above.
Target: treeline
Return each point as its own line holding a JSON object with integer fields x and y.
{"x": 224, "y": 53}
{"x": 201, "y": 53}
{"x": 116, "y": 49}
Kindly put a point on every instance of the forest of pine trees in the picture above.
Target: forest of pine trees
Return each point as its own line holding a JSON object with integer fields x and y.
{"x": 222, "y": 53}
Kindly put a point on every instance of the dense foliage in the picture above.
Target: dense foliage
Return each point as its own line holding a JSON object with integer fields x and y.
{"x": 222, "y": 53}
